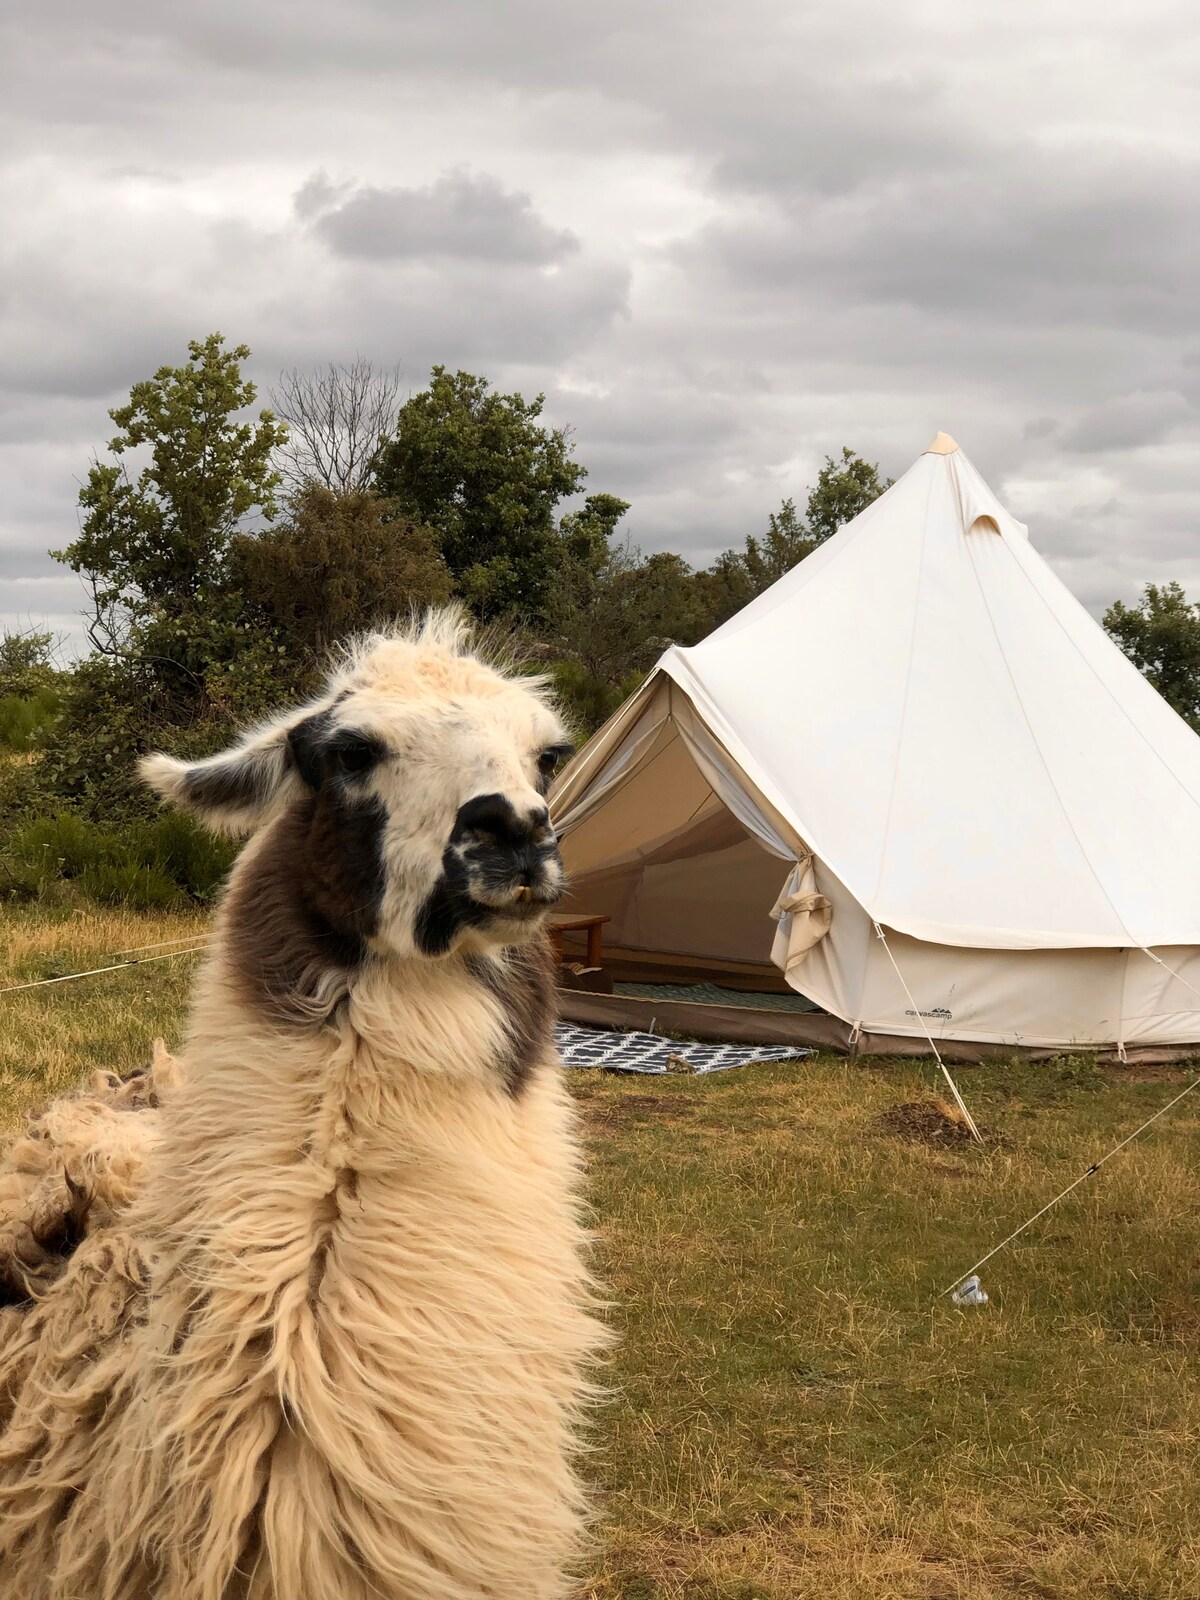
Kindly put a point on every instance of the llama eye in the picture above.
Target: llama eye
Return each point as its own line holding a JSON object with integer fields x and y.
{"x": 354, "y": 755}
{"x": 549, "y": 761}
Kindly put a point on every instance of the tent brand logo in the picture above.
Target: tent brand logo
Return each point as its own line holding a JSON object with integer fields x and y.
{"x": 939, "y": 1012}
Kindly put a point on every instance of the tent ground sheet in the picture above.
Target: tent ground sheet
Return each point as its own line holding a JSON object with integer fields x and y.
{"x": 713, "y": 994}
{"x": 650, "y": 1053}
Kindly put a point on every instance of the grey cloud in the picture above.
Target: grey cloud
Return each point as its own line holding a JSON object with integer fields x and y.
{"x": 876, "y": 221}
{"x": 461, "y": 215}
{"x": 1127, "y": 422}
{"x": 1024, "y": 236}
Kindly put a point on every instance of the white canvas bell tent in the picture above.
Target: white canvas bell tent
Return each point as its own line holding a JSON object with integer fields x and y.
{"x": 966, "y": 811}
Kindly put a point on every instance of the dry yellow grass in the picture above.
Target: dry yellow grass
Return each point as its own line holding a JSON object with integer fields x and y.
{"x": 51, "y": 1037}
{"x": 796, "y": 1413}
{"x": 793, "y": 1412}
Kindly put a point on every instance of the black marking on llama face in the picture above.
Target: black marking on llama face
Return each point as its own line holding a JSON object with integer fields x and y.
{"x": 491, "y": 852}
{"x": 522, "y": 979}
{"x": 449, "y": 908}
{"x": 310, "y": 898}
{"x": 304, "y": 741}
{"x": 322, "y": 752}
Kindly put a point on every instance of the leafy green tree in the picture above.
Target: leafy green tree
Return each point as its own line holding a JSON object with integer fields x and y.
{"x": 587, "y": 533}
{"x": 1161, "y": 636}
{"x": 26, "y": 662}
{"x": 786, "y": 541}
{"x": 842, "y": 491}
{"x": 339, "y": 563}
{"x": 481, "y": 470}
{"x": 154, "y": 547}
{"x": 610, "y": 612}
{"x": 175, "y": 656}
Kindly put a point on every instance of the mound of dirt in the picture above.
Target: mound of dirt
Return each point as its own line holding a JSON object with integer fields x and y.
{"x": 935, "y": 1122}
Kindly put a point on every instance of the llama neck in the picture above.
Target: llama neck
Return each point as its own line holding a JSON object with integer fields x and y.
{"x": 403, "y": 1032}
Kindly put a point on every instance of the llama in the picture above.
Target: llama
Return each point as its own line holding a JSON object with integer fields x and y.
{"x": 328, "y": 1335}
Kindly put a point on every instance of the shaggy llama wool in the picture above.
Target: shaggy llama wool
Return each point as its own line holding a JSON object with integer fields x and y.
{"x": 319, "y": 1330}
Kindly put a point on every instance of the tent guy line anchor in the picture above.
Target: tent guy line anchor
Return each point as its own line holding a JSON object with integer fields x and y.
{"x": 1050, "y": 1204}
{"x": 916, "y": 1010}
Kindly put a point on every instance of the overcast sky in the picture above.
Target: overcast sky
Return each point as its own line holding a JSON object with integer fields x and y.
{"x": 723, "y": 238}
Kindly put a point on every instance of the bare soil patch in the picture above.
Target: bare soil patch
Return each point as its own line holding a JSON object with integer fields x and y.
{"x": 934, "y": 1122}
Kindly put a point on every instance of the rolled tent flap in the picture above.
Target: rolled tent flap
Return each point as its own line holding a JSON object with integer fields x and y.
{"x": 803, "y": 916}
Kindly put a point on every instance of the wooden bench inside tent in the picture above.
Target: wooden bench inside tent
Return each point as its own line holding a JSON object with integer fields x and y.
{"x": 591, "y": 974}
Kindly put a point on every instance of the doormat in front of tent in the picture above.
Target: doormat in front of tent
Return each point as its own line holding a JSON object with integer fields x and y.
{"x": 647, "y": 1052}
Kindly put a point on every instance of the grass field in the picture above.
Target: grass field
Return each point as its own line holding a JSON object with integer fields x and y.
{"x": 793, "y": 1411}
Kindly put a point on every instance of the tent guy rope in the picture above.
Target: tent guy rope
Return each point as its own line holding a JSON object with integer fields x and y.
{"x": 1096, "y": 1165}
{"x": 1050, "y": 1204}
{"x": 116, "y": 966}
{"x": 916, "y": 1011}
{"x": 185, "y": 938}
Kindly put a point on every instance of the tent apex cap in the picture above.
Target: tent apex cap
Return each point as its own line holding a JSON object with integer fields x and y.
{"x": 943, "y": 445}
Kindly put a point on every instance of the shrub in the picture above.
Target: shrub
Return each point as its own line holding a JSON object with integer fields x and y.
{"x": 26, "y": 720}
{"x": 587, "y": 701}
{"x": 192, "y": 858}
{"x": 67, "y": 843}
{"x": 129, "y": 884}
{"x": 162, "y": 862}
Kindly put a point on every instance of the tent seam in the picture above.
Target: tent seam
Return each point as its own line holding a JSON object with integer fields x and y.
{"x": 1057, "y": 620}
{"x": 908, "y": 673}
{"x": 1062, "y": 806}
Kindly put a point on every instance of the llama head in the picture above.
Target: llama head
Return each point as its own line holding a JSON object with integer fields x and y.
{"x": 402, "y": 813}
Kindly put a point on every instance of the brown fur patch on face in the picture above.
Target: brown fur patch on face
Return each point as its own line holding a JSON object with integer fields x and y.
{"x": 300, "y": 912}
{"x": 522, "y": 979}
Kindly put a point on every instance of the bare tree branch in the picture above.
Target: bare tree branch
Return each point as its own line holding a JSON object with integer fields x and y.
{"x": 337, "y": 419}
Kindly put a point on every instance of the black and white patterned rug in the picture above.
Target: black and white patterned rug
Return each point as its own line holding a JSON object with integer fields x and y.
{"x": 647, "y": 1052}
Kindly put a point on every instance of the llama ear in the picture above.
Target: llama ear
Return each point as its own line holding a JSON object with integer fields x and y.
{"x": 231, "y": 792}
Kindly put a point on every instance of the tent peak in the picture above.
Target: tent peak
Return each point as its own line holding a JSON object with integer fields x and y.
{"x": 943, "y": 445}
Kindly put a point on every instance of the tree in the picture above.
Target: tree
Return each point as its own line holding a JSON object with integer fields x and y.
{"x": 786, "y": 541}
{"x": 480, "y": 470}
{"x": 26, "y": 662}
{"x": 29, "y": 691}
{"x": 843, "y": 489}
{"x": 586, "y": 533}
{"x": 610, "y": 612}
{"x": 175, "y": 655}
{"x": 338, "y": 419}
{"x": 338, "y": 564}
{"x": 1161, "y": 636}
{"x": 152, "y": 548}
{"x": 737, "y": 576}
